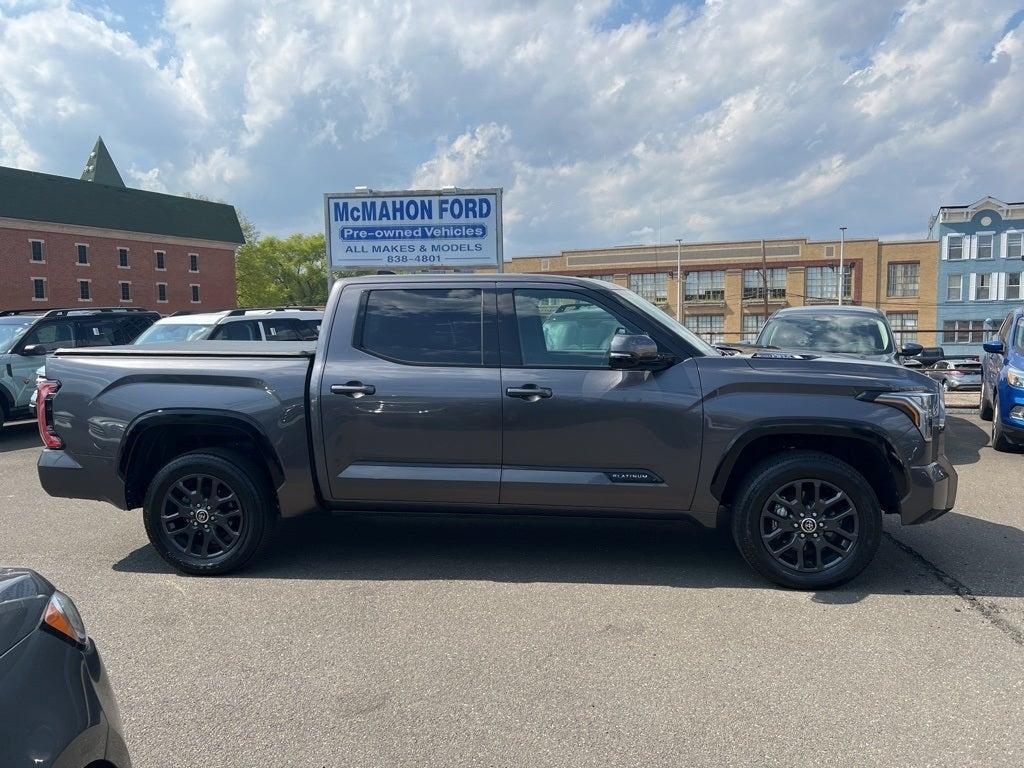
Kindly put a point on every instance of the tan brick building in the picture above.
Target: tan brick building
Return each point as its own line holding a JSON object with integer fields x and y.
{"x": 90, "y": 242}
{"x": 723, "y": 296}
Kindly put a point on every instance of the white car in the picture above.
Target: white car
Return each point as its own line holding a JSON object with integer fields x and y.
{"x": 266, "y": 324}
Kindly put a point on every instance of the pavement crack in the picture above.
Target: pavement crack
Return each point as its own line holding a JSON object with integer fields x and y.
{"x": 961, "y": 590}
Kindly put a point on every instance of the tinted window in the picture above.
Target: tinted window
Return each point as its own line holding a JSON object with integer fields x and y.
{"x": 100, "y": 333}
{"x": 565, "y": 329}
{"x": 310, "y": 329}
{"x": 281, "y": 330}
{"x": 51, "y": 335}
{"x": 429, "y": 327}
{"x": 238, "y": 331}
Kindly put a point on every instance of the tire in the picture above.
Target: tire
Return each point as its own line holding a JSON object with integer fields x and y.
{"x": 984, "y": 406}
{"x": 236, "y": 528}
{"x": 841, "y": 554}
{"x": 999, "y": 441}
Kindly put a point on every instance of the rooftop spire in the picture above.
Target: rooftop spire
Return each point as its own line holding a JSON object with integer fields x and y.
{"x": 100, "y": 166}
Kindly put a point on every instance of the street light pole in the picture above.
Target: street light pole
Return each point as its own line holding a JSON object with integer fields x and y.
{"x": 679, "y": 279}
{"x": 842, "y": 244}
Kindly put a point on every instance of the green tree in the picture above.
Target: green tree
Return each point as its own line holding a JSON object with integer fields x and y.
{"x": 272, "y": 271}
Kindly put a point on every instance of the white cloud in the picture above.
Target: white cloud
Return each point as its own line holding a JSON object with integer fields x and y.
{"x": 731, "y": 119}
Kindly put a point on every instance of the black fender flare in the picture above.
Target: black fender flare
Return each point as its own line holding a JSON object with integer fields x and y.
{"x": 196, "y": 417}
{"x": 831, "y": 427}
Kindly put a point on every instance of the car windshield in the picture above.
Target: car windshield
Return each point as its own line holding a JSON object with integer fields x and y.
{"x": 823, "y": 332}
{"x": 11, "y": 329}
{"x": 160, "y": 333}
{"x": 1018, "y": 336}
{"x": 674, "y": 325}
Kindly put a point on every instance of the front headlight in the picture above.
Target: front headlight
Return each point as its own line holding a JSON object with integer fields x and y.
{"x": 926, "y": 409}
{"x": 1015, "y": 377}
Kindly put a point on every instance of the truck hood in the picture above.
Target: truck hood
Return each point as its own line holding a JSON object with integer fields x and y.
{"x": 807, "y": 370}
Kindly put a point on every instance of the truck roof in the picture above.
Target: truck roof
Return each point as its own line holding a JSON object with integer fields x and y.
{"x": 486, "y": 277}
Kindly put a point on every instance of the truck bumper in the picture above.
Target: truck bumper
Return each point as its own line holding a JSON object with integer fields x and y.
{"x": 932, "y": 492}
{"x": 83, "y": 477}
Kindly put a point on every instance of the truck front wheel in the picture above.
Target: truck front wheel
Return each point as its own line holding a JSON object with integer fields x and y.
{"x": 209, "y": 512}
{"x": 806, "y": 520}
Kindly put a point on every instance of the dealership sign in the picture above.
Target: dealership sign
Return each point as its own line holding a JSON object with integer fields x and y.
{"x": 414, "y": 229}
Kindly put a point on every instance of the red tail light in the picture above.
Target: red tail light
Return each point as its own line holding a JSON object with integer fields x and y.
{"x": 45, "y": 390}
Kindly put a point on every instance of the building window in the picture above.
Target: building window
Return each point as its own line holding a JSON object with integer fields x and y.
{"x": 653, "y": 287}
{"x": 84, "y": 290}
{"x": 126, "y": 291}
{"x": 752, "y": 325}
{"x": 161, "y": 293}
{"x": 820, "y": 282}
{"x": 753, "y": 284}
{"x": 955, "y": 288}
{"x": 955, "y": 247}
{"x": 161, "y": 260}
{"x": 38, "y": 289}
{"x": 904, "y": 326}
{"x": 1014, "y": 242}
{"x": 36, "y": 250}
{"x": 1013, "y": 285}
{"x": 195, "y": 293}
{"x": 984, "y": 246}
{"x": 982, "y": 287}
{"x": 711, "y": 328}
{"x": 964, "y": 331}
{"x": 193, "y": 262}
{"x": 705, "y": 286}
{"x": 83, "y": 253}
{"x": 903, "y": 280}
{"x": 122, "y": 258}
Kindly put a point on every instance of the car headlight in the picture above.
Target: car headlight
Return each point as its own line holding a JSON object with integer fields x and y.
{"x": 1015, "y": 377}
{"x": 926, "y": 409}
{"x": 61, "y": 618}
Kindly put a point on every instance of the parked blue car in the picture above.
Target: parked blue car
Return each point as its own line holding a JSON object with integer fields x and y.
{"x": 1002, "y": 384}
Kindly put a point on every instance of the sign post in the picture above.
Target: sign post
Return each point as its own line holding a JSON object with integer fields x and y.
{"x": 413, "y": 230}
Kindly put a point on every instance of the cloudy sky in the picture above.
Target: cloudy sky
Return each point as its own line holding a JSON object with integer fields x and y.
{"x": 606, "y": 121}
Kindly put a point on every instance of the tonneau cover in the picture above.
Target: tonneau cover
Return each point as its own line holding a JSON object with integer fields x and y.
{"x": 200, "y": 349}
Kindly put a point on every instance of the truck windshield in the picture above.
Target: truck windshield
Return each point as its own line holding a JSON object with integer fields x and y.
{"x": 11, "y": 329}
{"x": 846, "y": 334}
{"x": 170, "y": 332}
{"x": 674, "y": 325}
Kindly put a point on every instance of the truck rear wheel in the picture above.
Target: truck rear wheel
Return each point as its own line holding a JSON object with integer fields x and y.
{"x": 210, "y": 512}
{"x": 806, "y": 520}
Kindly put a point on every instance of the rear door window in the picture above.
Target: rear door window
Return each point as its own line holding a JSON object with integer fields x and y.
{"x": 424, "y": 326}
{"x": 101, "y": 332}
{"x": 284, "y": 329}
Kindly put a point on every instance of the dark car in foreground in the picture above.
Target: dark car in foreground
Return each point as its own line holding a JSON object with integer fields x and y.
{"x": 861, "y": 332}
{"x": 56, "y": 704}
{"x": 480, "y": 393}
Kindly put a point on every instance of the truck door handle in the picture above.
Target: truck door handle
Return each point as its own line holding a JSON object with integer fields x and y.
{"x": 353, "y": 389}
{"x": 530, "y": 392}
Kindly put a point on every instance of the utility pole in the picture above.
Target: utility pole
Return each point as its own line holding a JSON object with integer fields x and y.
{"x": 679, "y": 279}
{"x": 842, "y": 244}
{"x": 764, "y": 279}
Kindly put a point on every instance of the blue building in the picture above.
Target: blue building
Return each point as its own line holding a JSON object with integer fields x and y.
{"x": 980, "y": 270}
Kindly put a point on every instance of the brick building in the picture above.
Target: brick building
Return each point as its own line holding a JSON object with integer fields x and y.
{"x": 95, "y": 242}
{"x": 723, "y": 296}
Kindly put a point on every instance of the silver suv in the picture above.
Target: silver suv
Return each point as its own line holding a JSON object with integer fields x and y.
{"x": 256, "y": 324}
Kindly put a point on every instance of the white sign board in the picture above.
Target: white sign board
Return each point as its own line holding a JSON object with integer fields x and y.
{"x": 414, "y": 229}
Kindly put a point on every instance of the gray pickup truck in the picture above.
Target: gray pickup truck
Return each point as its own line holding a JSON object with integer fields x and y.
{"x": 498, "y": 393}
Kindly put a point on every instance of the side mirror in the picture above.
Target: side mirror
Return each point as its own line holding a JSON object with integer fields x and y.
{"x": 34, "y": 350}
{"x": 912, "y": 349}
{"x": 631, "y": 351}
{"x": 993, "y": 346}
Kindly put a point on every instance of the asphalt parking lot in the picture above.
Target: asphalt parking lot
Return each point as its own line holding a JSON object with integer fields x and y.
{"x": 412, "y": 641}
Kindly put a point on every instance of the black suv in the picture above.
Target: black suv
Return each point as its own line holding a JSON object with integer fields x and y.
{"x": 28, "y": 335}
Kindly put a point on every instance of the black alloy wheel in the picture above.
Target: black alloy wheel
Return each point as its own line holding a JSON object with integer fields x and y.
{"x": 210, "y": 512}
{"x": 809, "y": 525}
{"x": 202, "y": 517}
